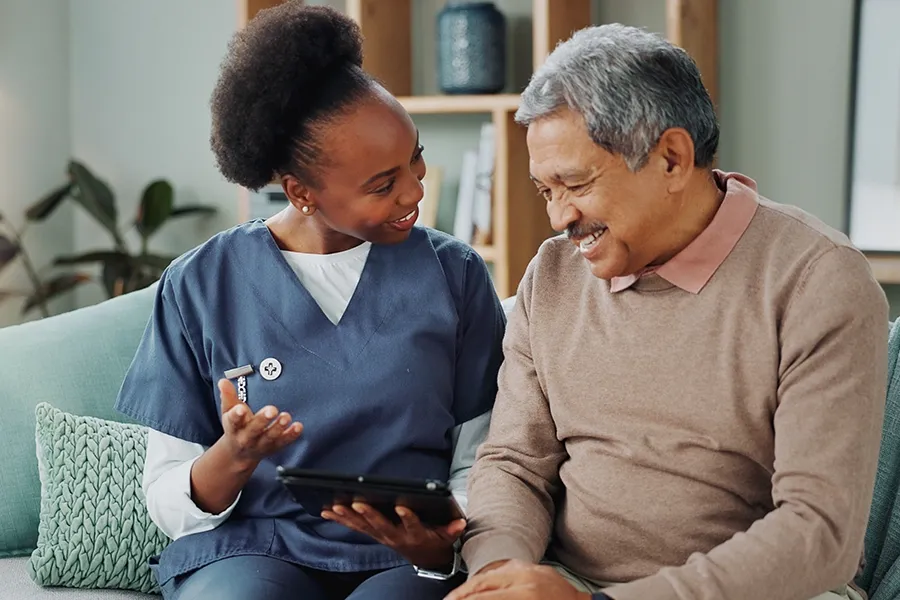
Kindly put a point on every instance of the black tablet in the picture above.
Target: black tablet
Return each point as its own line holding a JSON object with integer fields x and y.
{"x": 430, "y": 500}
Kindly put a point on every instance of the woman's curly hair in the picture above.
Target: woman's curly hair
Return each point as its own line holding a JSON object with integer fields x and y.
{"x": 286, "y": 73}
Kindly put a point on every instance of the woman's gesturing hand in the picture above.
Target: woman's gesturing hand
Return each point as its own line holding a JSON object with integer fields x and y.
{"x": 251, "y": 437}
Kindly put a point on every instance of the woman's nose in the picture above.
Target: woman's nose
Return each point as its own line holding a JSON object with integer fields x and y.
{"x": 415, "y": 193}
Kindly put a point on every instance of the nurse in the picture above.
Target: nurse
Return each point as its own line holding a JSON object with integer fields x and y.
{"x": 381, "y": 338}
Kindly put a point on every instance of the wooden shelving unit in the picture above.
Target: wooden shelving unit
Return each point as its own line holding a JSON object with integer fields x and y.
{"x": 436, "y": 105}
{"x": 886, "y": 267}
{"x": 520, "y": 222}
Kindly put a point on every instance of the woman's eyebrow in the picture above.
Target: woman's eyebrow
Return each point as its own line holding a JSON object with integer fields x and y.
{"x": 379, "y": 175}
{"x": 392, "y": 170}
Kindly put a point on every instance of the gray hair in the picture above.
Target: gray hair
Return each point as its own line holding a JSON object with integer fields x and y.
{"x": 630, "y": 86}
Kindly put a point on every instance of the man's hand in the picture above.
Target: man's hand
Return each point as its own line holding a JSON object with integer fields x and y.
{"x": 491, "y": 566}
{"x": 251, "y": 437}
{"x": 516, "y": 580}
{"x": 426, "y": 547}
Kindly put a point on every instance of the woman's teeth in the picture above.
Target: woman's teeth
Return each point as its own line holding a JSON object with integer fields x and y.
{"x": 406, "y": 218}
{"x": 590, "y": 241}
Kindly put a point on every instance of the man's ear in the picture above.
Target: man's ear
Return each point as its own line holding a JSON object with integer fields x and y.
{"x": 299, "y": 194}
{"x": 676, "y": 148}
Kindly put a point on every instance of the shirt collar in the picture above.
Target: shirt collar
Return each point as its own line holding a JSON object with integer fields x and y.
{"x": 693, "y": 267}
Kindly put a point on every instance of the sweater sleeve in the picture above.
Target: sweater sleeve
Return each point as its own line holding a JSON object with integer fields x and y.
{"x": 830, "y": 406}
{"x": 516, "y": 474}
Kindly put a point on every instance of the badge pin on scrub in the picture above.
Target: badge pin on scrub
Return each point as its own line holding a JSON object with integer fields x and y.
{"x": 240, "y": 373}
{"x": 270, "y": 369}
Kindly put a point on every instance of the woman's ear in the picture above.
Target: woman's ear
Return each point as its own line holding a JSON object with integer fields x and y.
{"x": 298, "y": 194}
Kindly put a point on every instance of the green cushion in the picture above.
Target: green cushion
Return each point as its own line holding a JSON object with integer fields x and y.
{"x": 881, "y": 576}
{"x": 94, "y": 528}
{"x": 76, "y": 362}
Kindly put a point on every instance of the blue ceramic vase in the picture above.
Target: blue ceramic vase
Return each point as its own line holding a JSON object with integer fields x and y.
{"x": 471, "y": 48}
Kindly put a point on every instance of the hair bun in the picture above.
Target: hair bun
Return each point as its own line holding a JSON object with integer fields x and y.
{"x": 275, "y": 68}
{"x": 319, "y": 37}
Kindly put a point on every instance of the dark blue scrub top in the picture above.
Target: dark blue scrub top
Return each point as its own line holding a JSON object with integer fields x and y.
{"x": 415, "y": 354}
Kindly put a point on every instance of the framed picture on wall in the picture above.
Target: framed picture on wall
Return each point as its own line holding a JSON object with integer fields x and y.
{"x": 874, "y": 179}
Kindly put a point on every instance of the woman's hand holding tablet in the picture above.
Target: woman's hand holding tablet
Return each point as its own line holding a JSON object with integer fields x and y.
{"x": 423, "y": 546}
{"x": 420, "y": 520}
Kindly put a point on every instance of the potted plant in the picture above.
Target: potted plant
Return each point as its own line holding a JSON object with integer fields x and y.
{"x": 122, "y": 269}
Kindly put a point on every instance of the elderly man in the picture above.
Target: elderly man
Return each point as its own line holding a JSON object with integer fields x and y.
{"x": 692, "y": 395}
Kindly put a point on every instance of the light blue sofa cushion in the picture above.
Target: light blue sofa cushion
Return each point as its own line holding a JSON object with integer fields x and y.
{"x": 881, "y": 577}
{"x": 76, "y": 363}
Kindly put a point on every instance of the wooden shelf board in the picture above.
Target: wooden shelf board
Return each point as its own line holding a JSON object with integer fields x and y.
{"x": 886, "y": 267}
{"x": 488, "y": 253}
{"x": 488, "y": 103}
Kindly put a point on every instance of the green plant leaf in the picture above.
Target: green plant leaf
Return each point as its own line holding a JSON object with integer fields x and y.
{"x": 154, "y": 261}
{"x": 8, "y": 250}
{"x": 155, "y": 208}
{"x": 54, "y": 287}
{"x": 92, "y": 257}
{"x": 46, "y": 205}
{"x": 193, "y": 209}
{"x": 95, "y": 196}
{"x": 140, "y": 280}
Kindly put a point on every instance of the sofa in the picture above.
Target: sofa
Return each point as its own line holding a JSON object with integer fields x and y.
{"x": 60, "y": 377}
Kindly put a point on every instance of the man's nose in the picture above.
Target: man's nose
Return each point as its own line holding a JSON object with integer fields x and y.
{"x": 562, "y": 214}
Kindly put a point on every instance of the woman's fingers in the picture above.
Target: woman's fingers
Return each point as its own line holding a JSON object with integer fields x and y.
{"x": 257, "y": 425}
{"x": 235, "y": 418}
{"x": 348, "y": 518}
{"x": 415, "y": 529}
{"x": 410, "y": 522}
{"x": 290, "y": 434}
{"x": 228, "y": 395}
{"x": 452, "y": 531}
{"x": 274, "y": 430}
{"x": 234, "y": 412}
{"x": 262, "y": 433}
{"x": 281, "y": 431}
{"x": 248, "y": 436}
{"x": 377, "y": 521}
{"x": 365, "y": 519}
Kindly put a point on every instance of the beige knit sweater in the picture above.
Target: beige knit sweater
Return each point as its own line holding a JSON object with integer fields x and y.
{"x": 719, "y": 445}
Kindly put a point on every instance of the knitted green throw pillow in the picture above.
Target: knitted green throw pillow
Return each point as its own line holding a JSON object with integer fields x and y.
{"x": 94, "y": 529}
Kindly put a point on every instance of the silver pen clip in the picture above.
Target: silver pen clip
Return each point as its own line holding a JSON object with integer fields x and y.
{"x": 240, "y": 373}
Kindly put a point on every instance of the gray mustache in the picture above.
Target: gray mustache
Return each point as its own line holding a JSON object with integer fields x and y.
{"x": 582, "y": 230}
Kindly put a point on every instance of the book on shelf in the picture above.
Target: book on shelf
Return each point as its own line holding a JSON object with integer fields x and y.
{"x": 472, "y": 222}
{"x": 463, "y": 223}
{"x": 484, "y": 177}
{"x": 428, "y": 207}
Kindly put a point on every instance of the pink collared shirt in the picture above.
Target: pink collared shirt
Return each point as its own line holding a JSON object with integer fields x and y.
{"x": 693, "y": 267}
